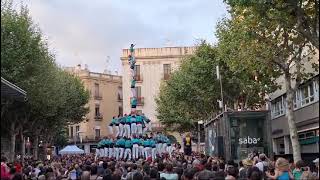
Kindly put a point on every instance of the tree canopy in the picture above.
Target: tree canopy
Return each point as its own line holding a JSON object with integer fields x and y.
{"x": 55, "y": 98}
{"x": 192, "y": 92}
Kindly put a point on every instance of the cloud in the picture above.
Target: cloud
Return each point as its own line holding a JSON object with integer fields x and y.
{"x": 81, "y": 31}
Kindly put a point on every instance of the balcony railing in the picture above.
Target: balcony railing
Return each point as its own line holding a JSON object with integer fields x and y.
{"x": 140, "y": 101}
{"x": 85, "y": 139}
{"x": 138, "y": 77}
{"x": 97, "y": 97}
{"x": 98, "y": 117}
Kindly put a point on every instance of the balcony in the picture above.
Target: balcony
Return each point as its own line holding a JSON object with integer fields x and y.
{"x": 97, "y": 97}
{"x": 140, "y": 101}
{"x": 85, "y": 139}
{"x": 138, "y": 77}
{"x": 98, "y": 117}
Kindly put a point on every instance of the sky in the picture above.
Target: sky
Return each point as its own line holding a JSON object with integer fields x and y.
{"x": 93, "y": 32}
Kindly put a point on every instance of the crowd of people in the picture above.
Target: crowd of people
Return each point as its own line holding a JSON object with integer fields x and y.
{"x": 177, "y": 167}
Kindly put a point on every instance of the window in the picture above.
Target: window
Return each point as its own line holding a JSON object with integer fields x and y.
{"x": 302, "y": 136}
{"x": 296, "y": 100}
{"x": 310, "y": 134}
{"x": 138, "y": 91}
{"x": 77, "y": 129}
{"x": 97, "y": 133}
{"x": 97, "y": 110}
{"x": 166, "y": 71}
{"x": 278, "y": 106}
{"x": 71, "y": 131}
{"x": 307, "y": 94}
{"x": 137, "y": 73}
{"x": 96, "y": 89}
{"x": 120, "y": 110}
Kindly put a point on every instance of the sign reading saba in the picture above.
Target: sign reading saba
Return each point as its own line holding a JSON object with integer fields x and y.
{"x": 248, "y": 140}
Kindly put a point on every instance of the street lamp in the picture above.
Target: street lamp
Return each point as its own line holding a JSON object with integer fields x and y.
{"x": 199, "y": 123}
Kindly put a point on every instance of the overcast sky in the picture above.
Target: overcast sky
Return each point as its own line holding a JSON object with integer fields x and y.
{"x": 88, "y": 31}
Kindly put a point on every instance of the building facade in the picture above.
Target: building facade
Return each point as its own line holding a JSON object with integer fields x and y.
{"x": 105, "y": 102}
{"x": 306, "y": 114}
{"x": 153, "y": 65}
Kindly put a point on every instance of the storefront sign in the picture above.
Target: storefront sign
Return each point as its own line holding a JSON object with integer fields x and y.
{"x": 248, "y": 140}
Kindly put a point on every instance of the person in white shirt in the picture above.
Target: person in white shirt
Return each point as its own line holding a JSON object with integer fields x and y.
{"x": 262, "y": 162}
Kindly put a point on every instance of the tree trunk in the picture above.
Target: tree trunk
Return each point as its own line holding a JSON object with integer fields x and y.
{"x": 291, "y": 122}
{"x": 35, "y": 147}
{"x": 12, "y": 142}
{"x": 23, "y": 146}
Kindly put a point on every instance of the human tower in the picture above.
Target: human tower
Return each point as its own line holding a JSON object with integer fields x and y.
{"x": 131, "y": 135}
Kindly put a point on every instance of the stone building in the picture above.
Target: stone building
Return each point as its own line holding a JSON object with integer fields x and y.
{"x": 105, "y": 102}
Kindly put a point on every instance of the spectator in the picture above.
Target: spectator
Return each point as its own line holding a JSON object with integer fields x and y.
{"x": 169, "y": 174}
{"x": 282, "y": 170}
{"x": 254, "y": 173}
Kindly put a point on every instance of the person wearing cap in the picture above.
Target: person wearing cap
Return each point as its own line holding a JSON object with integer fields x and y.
{"x": 133, "y": 125}
{"x": 128, "y": 146}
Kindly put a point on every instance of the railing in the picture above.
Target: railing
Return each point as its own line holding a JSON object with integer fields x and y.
{"x": 140, "y": 101}
{"x": 98, "y": 117}
{"x": 138, "y": 77}
{"x": 85, "y": 139}
{"x": 97, "y": 97}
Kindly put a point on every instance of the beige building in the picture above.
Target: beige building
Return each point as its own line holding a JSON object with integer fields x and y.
{"x": 105, "y": 102}
{"x": 153, "y": 65}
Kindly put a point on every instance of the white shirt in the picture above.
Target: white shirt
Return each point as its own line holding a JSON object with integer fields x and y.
{"x": 261, "y": 164}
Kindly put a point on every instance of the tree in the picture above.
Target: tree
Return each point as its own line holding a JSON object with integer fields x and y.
{"x": 192, "y": 92}
{"x": 301, "y": 16}
{"x": 55, "y": 98}
{"x": 268, "y": 44}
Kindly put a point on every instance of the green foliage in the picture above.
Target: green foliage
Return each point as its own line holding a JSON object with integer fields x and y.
{"x": 192, "y": 92}
{"x": 300, "y": 16}
{"x": 55, "y": 98}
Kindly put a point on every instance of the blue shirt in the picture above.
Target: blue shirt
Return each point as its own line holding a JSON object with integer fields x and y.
{"x": 146, "y": 143}
{"x": 134, "y": 101}
{"x": 128, "y": 143}
{"x": 121, "y": 142}
{"x": 139, "y": 119}
{"x": 135, "y": 141}
{"x": 128, "y": 119}
{"x": 133, "y": 83}
{"x": 152, "y": 143}
{"x": 141, "y": 142}
{"x": 123, "y": 120}
{"x": 133, "y": 119}
{"x": 284, "y": 176}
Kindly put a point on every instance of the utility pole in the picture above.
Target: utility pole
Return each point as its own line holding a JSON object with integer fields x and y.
{"x": 221, "y": 103}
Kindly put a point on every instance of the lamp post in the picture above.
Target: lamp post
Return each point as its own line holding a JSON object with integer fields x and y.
{"x": 198, "y": 145}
